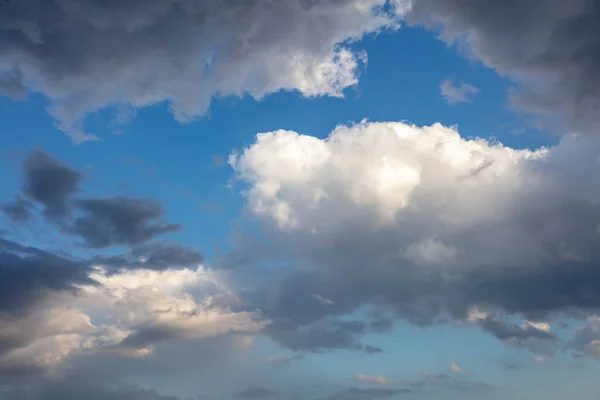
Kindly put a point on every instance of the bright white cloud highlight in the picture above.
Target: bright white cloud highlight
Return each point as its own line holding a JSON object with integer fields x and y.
{"x": 431, "y": 222}
{"x": 455, "y": 368}
{"x": 376, "y": 379}
{"x": 126, "y": 313}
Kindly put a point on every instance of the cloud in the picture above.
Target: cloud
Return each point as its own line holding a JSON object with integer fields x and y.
{"x": 323, "y": 300}
{"x": 11, "y": 83}
{"x": 366, "y": 394}
{"x": 120, "y": 221}
{"x": 379, "y": 380}
{"x": 320, "y": 335}
{"x": 549, "y": 47}
{"x": 457, "y": 94}
{"x": 180, "y": 52}
{"x": 537, "y": 337}
{"x": 455, "y": 368}
{"x": 425, "y": 223}
{"x": 153, "y": 255}
{"x": 49, "y": 183}
{"x": 255, "y": 392}
{"x": 381, "y": 323}
{"x": 18, "y": 210}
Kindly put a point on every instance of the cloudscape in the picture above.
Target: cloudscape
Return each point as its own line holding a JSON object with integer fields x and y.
{"x": 299, "y": 199}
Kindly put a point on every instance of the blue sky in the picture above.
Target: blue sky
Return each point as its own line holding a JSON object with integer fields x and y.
{"x": 426, "y": 249}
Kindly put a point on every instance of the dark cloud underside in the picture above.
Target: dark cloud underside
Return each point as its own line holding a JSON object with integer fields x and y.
{"x": 551, "y": 46}
{"x": 49, "y": 183}
{"x": 120, "y": 221}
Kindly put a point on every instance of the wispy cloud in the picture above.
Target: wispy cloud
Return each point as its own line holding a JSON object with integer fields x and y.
{"x": 377, "y": 379}
{"x": 461, "y": 93}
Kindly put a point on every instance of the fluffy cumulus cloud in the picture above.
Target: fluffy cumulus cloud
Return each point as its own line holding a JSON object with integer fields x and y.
{"x": 550, "y": 47}
{"x": 426, "y": 223}
{"x": 183, "y": 52}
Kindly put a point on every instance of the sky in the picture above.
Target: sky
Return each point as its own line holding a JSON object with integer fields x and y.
{"x": 299, "y": 199}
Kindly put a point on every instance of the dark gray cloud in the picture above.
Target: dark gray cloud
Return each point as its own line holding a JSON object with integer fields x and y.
{"x": 461, "y": 93}
{"x": 321, "y": 335}
{"x": 28, "y": 274}
{"x": 586, "y": 340}
{"x": 284, "y": 359}
{"x": 179, "y": 51}
{"x": 255, "y": 392}
{"x": 18, "y": 210}
{"x": 120, "y": 221}
{"x": 29, "y": 278}
{"x": 551, "y": 47}
{"x": 11, "y": 83}
{"x": 153, "y": 255}
{"x": 49, "y": 183}
{"x": 503, "y": 330}
{"x": 381, "y": 323}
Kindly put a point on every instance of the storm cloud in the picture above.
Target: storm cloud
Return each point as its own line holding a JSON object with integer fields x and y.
{"x": 184, "y": 52}
{"x": 153, "y": 255}
{"x": 120, "y": 221}
{"x": 550, "y": 47}
{"x": 50, "y": 183}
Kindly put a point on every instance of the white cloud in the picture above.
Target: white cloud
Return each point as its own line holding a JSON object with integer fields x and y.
{"x": 542, "y": 326}
{"x": 431, "y": 222}
{"x": 455, "y": 368}
{"x": 323, "y": 300}
{"x": 383, "y": 169}
{"x": 180, "y": 304}
{"x": 377, "y": 379}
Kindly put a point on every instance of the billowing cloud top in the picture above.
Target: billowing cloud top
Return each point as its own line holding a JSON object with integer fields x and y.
{"x": 432, "y": 224}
